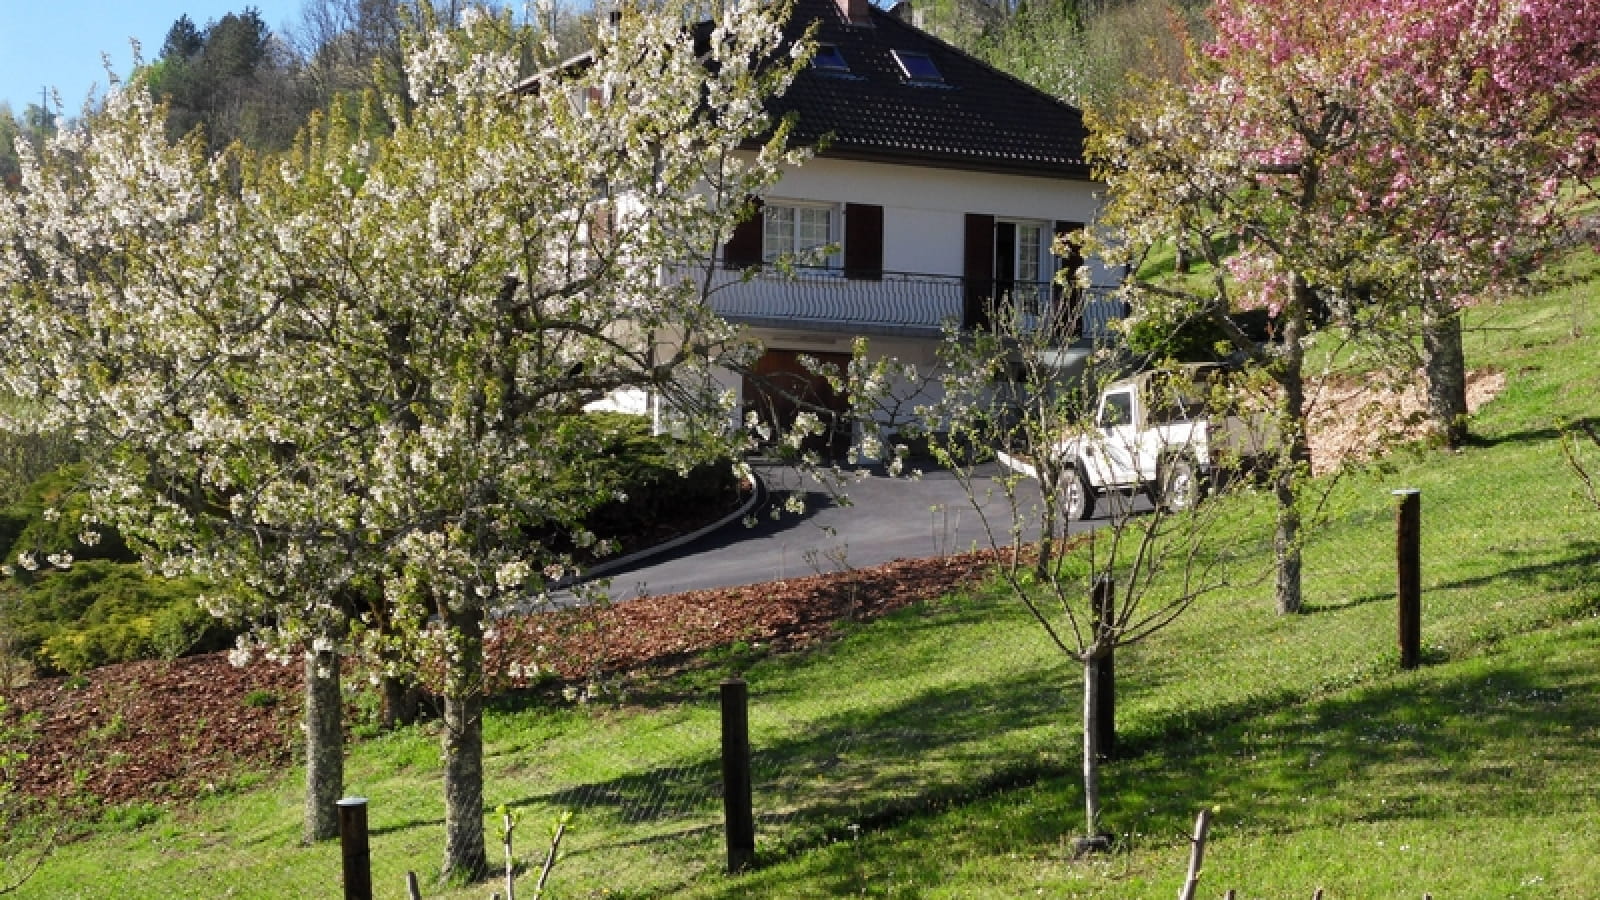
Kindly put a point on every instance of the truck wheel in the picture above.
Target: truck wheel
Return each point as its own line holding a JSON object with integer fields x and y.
{"x": 1182, "y": 485}
{"x": 1079, "y": 498}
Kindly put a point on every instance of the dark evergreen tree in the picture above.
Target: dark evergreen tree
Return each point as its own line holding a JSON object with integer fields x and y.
{"x": 233, "y": 78}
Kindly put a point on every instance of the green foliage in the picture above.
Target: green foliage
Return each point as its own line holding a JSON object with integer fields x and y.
{"x": 225, "y": 79}
{"x": 261, "y": 698}
{"x": 26, "y": 457}
{"x": 49, "y": 518}
{"x": 10, "y": 173}
{"x": 100, "y": 612}
{"x": 1087, "y": 51}
{"x": 643, "y": 478}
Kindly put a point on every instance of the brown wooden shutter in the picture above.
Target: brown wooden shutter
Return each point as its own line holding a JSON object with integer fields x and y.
{"x": 863, "y": 241}
{"x": 978, "y": 270}
{"x": 743, "y": 249}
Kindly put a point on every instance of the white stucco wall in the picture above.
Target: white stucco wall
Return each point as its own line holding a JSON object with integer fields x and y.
{"x": 924, "y": 209}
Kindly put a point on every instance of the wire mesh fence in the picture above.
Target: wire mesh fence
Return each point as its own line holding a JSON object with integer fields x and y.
{"x": 861, "y": 733}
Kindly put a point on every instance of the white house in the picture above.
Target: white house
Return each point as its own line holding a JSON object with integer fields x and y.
{"x": 941, "y": 181}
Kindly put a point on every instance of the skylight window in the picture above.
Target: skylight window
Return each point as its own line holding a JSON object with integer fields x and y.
{"x": 828, "y": 58}
{"x": 919, "y": 67}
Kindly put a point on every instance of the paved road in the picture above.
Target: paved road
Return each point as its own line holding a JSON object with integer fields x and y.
{"x": 886, "y": 519}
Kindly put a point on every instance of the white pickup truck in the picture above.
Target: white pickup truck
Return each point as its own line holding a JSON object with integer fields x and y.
{"x": 1157, "y": 432}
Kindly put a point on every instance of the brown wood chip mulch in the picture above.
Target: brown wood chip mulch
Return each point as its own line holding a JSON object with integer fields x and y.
{"x": 160, "y": 731}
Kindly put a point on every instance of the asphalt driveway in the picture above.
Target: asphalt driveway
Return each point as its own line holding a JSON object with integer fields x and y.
{"x": 885, "y": 519}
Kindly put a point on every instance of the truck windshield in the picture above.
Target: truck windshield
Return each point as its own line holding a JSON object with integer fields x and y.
{"x": 1117, "y": 409}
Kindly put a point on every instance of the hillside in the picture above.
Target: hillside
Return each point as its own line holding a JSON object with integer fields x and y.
{"x": 930, "y": 752}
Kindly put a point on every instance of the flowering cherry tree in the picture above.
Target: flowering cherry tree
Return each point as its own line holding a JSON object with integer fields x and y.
{"x": 1385, "y": 161}
{"x": 353, "y": 372}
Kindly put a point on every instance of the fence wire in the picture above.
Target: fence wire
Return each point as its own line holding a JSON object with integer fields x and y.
{"x": 834, "y": 754}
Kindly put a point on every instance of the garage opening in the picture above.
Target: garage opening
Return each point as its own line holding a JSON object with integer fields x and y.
{"x": 780, "y": 387}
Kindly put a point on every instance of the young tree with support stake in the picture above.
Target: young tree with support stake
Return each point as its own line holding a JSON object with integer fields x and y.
{"x": 357, "y": 369}
{"x": 1092, "y": 590}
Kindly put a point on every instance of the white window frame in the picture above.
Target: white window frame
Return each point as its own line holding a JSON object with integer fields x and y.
{"x": 908, "y": 61}
{"x": 782, "y": 234}
{"x": 1040, "y": 266}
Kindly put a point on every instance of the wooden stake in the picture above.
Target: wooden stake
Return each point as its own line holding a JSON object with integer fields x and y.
{"x": 354, "y": 849}
{"x": 1197, "y": 853}
{"x": 1408, "y": 572}
{"x": 738, "y": 805}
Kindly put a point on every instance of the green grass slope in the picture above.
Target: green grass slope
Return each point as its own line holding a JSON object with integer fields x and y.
{"x": 946, "y": 734}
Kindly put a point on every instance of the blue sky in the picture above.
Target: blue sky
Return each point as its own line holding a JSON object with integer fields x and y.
{"x": 58, "y": 43}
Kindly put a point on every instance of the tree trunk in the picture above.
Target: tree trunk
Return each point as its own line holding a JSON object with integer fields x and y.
{"x": 324, "y": 745}
{"x": 402, "y": 701}
{"x": 464, "y": 852}
{"x": 1445, "y": 368}
{"x": 1091, "y": 745}
{"x": 1050, "y": 515}
{"x": 1295, "y": 455}
{"x": 1286, "y": 550}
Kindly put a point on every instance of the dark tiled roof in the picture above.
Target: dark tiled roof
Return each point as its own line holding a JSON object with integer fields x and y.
{"x": 978, "y": 118}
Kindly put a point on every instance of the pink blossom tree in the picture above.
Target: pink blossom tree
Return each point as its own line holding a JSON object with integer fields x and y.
{"x": 1388, "y": 161}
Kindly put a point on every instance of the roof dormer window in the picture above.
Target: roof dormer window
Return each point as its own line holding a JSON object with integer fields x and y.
{"x": 829, "y": 58}
{"x": 918, "y": 67}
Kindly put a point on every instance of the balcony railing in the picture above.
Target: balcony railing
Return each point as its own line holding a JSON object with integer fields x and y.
{"x": 898, "y": 302}
{"x": 908, "y": 303}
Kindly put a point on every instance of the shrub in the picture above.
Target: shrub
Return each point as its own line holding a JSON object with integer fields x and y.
{"x": 101, "y": 612}
{"x": 260, "y": 698}
{"x": 23, "y": 526}
{"x": 644, "y": 469}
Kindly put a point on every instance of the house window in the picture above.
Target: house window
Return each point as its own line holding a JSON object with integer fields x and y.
{"x": 1023, "y": 265}
{"x": 919, "y": 68}
{"x": 799, "y": 232}
{"x": 1030, "y": 245}
{"x": 828, "y": 58}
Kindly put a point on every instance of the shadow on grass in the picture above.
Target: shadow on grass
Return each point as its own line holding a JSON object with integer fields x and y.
{"x": 1576, "y": 570}
{"x": 862, "y": 767}
{"x": 1476, "y": 743}
{"x": 1312, "y": 608}
{"x": 1531, "y": 435}
{"x": 407, "y": 825}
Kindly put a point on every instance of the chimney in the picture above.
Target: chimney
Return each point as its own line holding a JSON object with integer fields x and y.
{"x": 856, "y": 12}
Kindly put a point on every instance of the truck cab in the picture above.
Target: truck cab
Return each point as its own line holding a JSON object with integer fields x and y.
{"x": 1154, "y": 432}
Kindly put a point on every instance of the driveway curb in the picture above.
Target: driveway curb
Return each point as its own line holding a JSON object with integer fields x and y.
{"x": 757, "y": 494}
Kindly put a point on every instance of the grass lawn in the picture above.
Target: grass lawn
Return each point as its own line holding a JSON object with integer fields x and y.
{"x": 947, "y": 733}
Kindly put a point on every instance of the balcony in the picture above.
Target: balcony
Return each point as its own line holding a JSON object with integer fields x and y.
{"x": 897, "y": 303}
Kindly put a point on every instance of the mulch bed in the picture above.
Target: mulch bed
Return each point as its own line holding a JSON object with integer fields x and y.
{"x": 154, "y": 730}
{"x": 158, "y": 731}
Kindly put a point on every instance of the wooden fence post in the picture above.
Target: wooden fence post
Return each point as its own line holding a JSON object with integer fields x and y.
{"x": 1408, "y": 570}
{"x": 353, "y": 847}
{"x": 1105, "y": 668}
{"x": 738, "y": 804}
